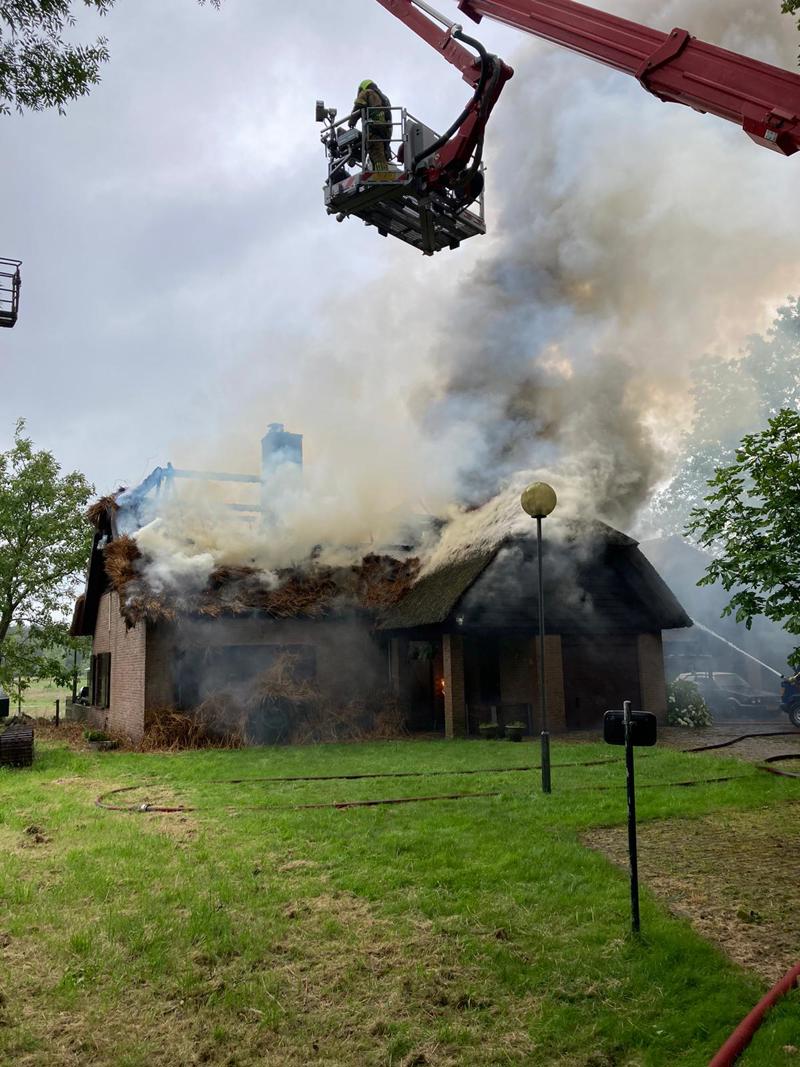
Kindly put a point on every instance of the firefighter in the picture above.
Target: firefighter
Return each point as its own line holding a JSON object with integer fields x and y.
{"x": 378, "y": 123}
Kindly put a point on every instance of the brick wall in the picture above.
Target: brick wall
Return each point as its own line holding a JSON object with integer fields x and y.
{"x": 652, "y": 683}
{"x": 125, "y": 714}
{"x": 455, "y": 708}
{"x": 518, "y": 671}
{"x": 554, "y": 683}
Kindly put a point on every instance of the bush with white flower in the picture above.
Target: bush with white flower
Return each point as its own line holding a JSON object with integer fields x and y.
{"x": 685, "y": 705}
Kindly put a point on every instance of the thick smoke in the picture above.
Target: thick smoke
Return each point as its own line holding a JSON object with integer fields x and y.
{"x": 628, "y": 238}
{"x": 633, "y": 236}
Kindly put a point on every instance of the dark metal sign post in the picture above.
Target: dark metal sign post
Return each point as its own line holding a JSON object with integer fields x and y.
{"x": 631, "y": 728}
{"x": 633, "y": 851}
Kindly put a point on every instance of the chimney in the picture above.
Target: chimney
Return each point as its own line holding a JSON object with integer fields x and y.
{"x": 281, "y": 468}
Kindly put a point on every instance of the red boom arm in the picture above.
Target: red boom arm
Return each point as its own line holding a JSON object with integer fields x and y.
{"x": 439, "y": 38}
{"x": 456, "y": 154}
{"x": 676, "y": 67}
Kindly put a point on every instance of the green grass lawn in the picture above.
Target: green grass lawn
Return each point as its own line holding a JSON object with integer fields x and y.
{"x": 474, "y": 932}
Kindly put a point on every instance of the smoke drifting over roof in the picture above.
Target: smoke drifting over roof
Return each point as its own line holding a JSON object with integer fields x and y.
{"x": 632, "y": 238}
{"x": 628, "y": 239}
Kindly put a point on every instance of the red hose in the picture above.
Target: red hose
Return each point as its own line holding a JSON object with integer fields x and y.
{"x": 744, "y": 1032}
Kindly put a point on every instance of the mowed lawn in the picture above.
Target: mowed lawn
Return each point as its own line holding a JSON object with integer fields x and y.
{"x": 251, "y": 931}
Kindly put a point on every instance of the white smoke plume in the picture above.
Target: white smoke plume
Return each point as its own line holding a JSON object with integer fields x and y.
{"x": 628, "y": 238}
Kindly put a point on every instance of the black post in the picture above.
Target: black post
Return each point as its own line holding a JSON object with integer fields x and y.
{"x": 58, "y": 713}
{"x": 632, "y": 849}
{"x": 546, "y": 786}
{"x": 74, "y": 675}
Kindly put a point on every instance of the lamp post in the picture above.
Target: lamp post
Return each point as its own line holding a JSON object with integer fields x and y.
{"x": 539, "y": 500}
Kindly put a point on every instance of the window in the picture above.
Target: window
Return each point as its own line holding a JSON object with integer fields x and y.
{"x": 101, "y": 680}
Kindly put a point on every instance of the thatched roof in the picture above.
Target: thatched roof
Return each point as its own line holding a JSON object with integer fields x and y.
{"x": 310, "y": 592}
{"x": 595, "y": 581}
{"x": 101, "y": 512}
{"x": 433, "y": 598}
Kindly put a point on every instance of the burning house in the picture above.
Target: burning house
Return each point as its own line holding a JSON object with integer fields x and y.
{"x": 442, "y": 634}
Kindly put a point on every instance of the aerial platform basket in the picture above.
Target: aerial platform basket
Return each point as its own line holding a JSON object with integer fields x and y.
{"x": 398, "y": 201}
{"x": 10, "y": 284}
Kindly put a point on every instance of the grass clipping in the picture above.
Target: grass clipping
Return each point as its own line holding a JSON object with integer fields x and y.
{"x": 278, "y": 706}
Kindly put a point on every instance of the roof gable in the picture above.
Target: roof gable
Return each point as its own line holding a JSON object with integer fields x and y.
{"x": 596, "y": 580}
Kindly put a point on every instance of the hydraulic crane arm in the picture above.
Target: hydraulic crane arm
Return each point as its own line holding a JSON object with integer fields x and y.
{"x": 429, "y": 202}
{"x": 462, "y": 144}
{"x": 676, "y": 67}
{"x": 438, "y": 32}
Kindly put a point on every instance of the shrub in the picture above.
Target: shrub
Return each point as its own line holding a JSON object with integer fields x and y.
{"x": 686, "y": 706}
{"x": 95, "y": 736}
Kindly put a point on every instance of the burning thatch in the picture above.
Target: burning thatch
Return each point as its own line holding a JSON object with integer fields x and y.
{"x": 120, "y": 557}
{"x": 100, "y": 509}
{"x": 309, "y": 592}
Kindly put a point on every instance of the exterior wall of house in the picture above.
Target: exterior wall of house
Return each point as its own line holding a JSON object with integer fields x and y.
{"x": 159, "y": 691}
{"x": 519, "y": 678}
{"x": 600, "y": 672}
{"x": 554, "y": 684}
{"x": 455, "y": 706}
{"x": 652, "y": 681}
{"x": 348, "y": 661}
{"x": 518, "y": 671}
{"x": 125, "y": 714}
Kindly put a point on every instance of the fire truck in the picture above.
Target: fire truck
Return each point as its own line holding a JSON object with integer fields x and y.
{"x": 432, "y": 198}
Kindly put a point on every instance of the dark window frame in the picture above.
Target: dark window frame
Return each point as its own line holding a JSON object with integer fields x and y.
{"x": 100, "y": 684}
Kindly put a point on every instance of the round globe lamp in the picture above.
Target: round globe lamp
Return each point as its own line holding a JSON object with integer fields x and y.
{"x": 539, "y": 500}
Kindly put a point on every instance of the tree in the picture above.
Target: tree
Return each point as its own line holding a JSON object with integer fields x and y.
{"x": 750, "y": 520}
{"x": 731, "y": 397}
{"x": 38, "y": 67}
{"x": 44, "y": 545}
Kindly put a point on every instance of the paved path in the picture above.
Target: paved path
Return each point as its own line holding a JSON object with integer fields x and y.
{"x": 753, "y": 749}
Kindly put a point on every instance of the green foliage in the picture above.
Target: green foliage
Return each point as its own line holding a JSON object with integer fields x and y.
{"x": 732, "y": 398}
{"x": 44, "y": 546}
{"x": 95, "y": 736}
{"x": 39, "y": 68}
{"x": 686, "y": 706}
{"x": 750, "y": 520}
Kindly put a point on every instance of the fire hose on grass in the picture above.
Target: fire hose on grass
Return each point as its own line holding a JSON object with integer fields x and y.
{"x": 745, "y": 1031}
{"x": 102, "y": 800}
{"x": 741, "y": 1037}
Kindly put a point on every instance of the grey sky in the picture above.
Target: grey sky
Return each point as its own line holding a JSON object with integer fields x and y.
{"x": 171, "y": 225}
